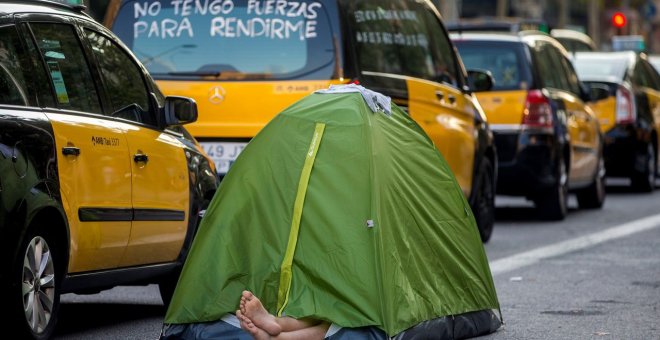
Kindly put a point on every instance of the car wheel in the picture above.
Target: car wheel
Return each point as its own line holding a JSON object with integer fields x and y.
{"x": 167, "y": 285}
{"x": 35, "y": 287}
{"x": 644, "y": 180}
{"x": 483, "y": 205}
{"x": 554, "y": 204}
{"x": 593, "y": 196}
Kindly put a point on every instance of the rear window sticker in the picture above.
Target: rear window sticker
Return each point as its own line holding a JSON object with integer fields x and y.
{"x": 58, "y": 82}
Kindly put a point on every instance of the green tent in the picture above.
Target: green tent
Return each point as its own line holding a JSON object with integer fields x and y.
{"x": 339, "y": 213}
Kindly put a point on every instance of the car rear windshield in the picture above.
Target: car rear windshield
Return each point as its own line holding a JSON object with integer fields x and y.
{"x": 400, "y": 37}
{"x": 505, "y": 60}
{"x": 574, "y": 45}
{"x": 599, "y": 67}
{"x": 234, "y": 40}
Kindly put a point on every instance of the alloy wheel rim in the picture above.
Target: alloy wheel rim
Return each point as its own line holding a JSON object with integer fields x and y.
{"x": 38, "y": 285}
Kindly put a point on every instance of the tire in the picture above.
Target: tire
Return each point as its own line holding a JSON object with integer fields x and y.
{"x": 593, "y": 196}
{"x": 167, "y": 285}
{"x": 168, "y": 282}
{"x": 35, "y": 288}
{"x": 644, "y": 180}
{"x": 483, "y": 205}
{"x": 553, "y": 204}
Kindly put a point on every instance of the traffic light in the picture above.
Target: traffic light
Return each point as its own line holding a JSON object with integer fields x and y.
{"x": 619, "y": 20}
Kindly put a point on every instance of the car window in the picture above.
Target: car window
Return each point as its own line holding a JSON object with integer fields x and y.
{"x": 573, "y": 84}
{"x": 442, "y": 51}
{"x": 600, "y": 65}
{"x": 641, "y": 76}
{"x": 69, "y": 72}
{"x": 560, "y": 72}
{"x": 547, "y": 69}
{"x": 13, "y": 89}
{"x": 574, "y": 45}
{"x": 234, "y": 40}
{"x": 40, "y": 79}
{"x": 401, "y": 37}
{"x": 651, "y": 75}
{"x": 505, "y": 60}
{"x": 655, "y": 62}
{"x": 122, "y": 78}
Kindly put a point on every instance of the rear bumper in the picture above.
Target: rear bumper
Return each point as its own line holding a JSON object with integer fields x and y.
{"x": 622, "y": 144}
{"x": 529, "y": 168}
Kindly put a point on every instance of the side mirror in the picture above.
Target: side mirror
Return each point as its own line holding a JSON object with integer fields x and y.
{"x": 179, "y": 110}
{"x": 480, "y": 80}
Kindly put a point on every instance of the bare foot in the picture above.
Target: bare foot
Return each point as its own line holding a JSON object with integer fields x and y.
{"x": 245, "y": 297}
{"x": 252, "y": 309}
{"x": 247, "y": 325}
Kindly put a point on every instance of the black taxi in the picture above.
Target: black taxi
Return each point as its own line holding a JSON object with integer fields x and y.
{"x": 100, "y": 184}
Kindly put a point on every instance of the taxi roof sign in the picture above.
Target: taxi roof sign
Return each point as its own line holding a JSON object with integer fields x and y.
{"x": 628, "y": 43}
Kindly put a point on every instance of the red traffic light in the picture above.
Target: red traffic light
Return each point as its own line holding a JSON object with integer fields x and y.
{"x": 618, "y": 19}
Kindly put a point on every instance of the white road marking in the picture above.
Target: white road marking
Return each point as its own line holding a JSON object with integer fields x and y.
{"x": 531, "y": 257}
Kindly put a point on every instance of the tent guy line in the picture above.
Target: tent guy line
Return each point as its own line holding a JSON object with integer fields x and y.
{"x": 531, "y": 257}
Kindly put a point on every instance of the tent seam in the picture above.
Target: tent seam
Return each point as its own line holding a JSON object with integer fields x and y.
{"x": 285, "y": 268}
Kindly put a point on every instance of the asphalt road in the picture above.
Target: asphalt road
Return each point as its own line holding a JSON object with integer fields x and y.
{"x": 595, "y": 275}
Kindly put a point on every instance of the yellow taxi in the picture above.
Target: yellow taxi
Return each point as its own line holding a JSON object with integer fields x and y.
{"x": 100, "y": 183}
{"x": 547, "y": 135}
{"x": 245, "y": 61}
{"x": 630, "y": 117}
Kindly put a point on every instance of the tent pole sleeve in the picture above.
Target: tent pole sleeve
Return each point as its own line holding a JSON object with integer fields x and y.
{"x": 285, "y": 269}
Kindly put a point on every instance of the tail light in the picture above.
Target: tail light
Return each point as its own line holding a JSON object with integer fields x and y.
{"x": 538, "y": 112}
{"x": 625, "y": 106}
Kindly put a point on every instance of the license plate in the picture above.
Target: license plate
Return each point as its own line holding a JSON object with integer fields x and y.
{"x": 224, "y": 154}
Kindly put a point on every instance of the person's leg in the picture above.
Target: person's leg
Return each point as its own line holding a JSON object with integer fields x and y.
{"x": 247, "y": 325}
{"x": 252, "y": 308}
{"x": 316, "y": 332}
{"x": 289, "y": 324}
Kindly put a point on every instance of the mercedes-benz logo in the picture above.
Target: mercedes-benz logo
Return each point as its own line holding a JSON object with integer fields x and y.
{"x": 217, "y": 94}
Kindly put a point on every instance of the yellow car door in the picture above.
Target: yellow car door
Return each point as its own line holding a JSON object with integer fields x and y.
{"x": 447, "y": 116}
{"x": 653, "y": 96}
{"x": 92, "y": 158}
{"x": 96, "y": 188}
{"x": 581, "y": 122}
{"x": 158, "y": 177}
{"x": 649, "y": 82}
{"x": 584, "y": 138}
{"x": 652, "y": 91}
{"x": 160, "y": 197}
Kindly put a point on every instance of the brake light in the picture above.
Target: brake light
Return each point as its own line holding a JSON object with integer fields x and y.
{"x": 538, "y": 112}
{"x": 625, "y": 106}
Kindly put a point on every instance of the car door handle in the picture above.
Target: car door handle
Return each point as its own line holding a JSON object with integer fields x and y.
{"x": 70, "y": 151}
{"x": 140, "y": 158}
